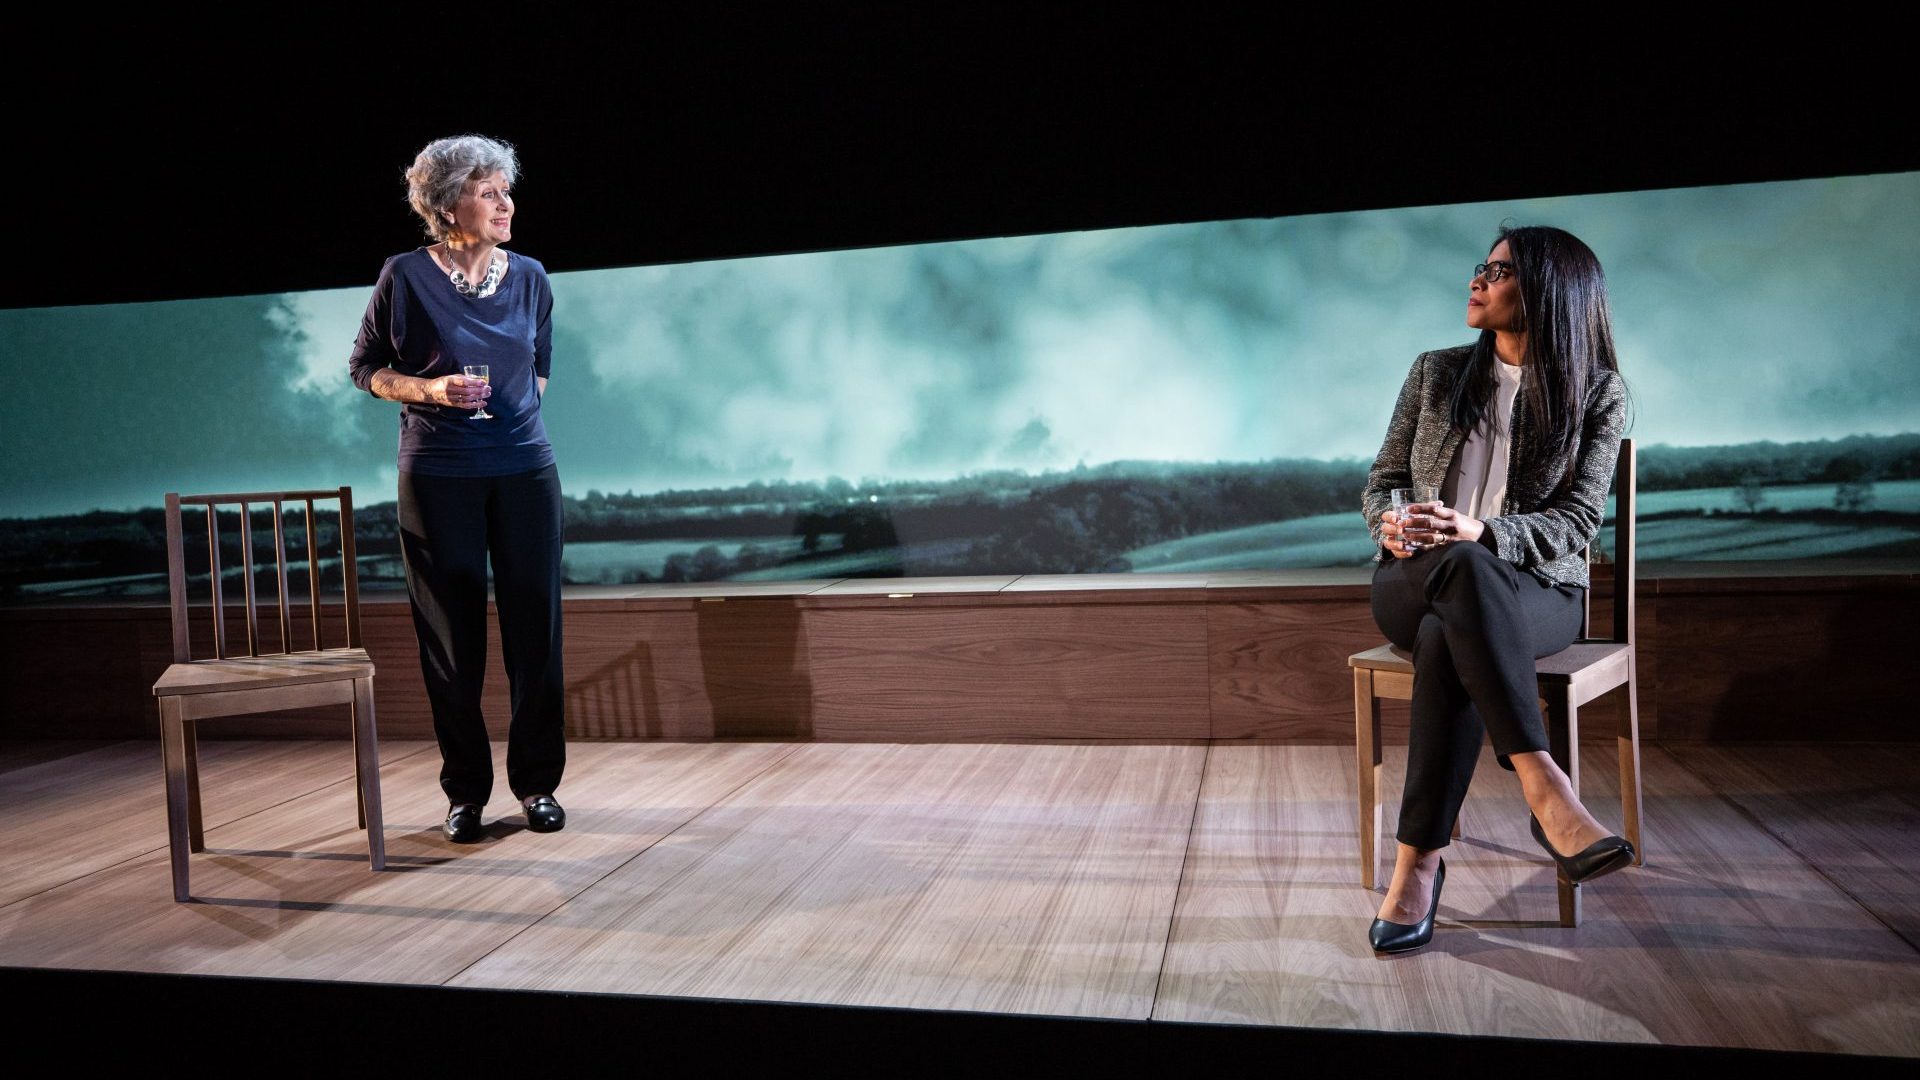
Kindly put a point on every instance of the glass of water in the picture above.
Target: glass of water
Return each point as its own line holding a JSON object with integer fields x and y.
{"x": 478, "y": 371}
{"x": 1416, "y": 529}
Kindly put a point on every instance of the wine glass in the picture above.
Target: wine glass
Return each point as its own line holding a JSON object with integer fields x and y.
{"x": 1417, "y": 495}
{"x": 478, "y": 371}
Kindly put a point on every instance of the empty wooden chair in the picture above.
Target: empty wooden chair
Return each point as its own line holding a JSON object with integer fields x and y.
{"x": 1568, "y": 679}
{"x": 233, "y": 682}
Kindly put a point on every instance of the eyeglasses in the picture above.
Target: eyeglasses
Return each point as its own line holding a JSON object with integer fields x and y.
{"x": 1493, "y": 271}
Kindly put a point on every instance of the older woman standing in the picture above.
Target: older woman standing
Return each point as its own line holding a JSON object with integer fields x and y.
{"x": 460, "y": 333}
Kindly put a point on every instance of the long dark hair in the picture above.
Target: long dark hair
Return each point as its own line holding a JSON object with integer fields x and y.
{"x": 1563, "y": 313}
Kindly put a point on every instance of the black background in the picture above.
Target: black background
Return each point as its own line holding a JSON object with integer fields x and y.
{"x": 162, "y": 159}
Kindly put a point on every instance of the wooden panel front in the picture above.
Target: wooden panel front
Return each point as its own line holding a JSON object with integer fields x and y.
{"x": 1719, "y": 658}
{"x": 1278, "y": 670}
{"x": 71, "y": 674}
{"x": 913, "y": 671}
{"x": 1735, "y": 664}
{"x": 707, "y": 670}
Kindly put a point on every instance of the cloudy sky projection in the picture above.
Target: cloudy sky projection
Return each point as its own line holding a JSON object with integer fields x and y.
{"x": 1770, "y": 311}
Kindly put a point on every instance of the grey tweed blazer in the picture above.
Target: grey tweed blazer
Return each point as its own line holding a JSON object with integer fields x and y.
{"x": 1552, "y": 511}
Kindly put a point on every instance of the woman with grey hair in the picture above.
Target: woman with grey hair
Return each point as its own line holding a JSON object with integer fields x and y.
{"x": 460, "y": 334}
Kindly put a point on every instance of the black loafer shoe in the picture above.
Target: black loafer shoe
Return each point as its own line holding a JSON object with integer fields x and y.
{"x": 463, "y": 823}
{"x": 1600, "y": 858}
{"x": 1393, "y": 937}
{"x": 544, "y": 813}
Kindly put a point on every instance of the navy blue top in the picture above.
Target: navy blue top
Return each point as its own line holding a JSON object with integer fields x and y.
{"x": 418, "y": 324}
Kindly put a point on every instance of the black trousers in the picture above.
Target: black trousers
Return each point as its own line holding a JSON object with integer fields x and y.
{"x": 1475, "y": 624}
{"x": 449, "y": 526}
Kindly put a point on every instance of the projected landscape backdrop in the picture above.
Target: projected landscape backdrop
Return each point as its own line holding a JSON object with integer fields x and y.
{"x": 1168, "y": 398}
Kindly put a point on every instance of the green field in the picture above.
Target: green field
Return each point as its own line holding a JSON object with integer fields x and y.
{"x": 1731, "y": 534}
{"x": 1753, "y": 538}
{"x": 615, "y": 561}
{"x": 832, "y": 566}
{"x": 1322, "y": 540}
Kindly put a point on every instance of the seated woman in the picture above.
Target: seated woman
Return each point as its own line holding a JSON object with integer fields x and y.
{"x": 1518, "y": 433}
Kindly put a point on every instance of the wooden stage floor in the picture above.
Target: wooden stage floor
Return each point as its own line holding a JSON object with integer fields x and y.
{"x": 1779, "y": 908}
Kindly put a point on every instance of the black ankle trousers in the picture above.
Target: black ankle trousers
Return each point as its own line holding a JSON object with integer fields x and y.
{"x": 450, "y": 528}
{"x": 1475, "y": 624}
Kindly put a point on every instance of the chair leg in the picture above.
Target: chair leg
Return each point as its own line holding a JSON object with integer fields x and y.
{"x": 173, "y": 756}
{"x": 1563, "y": 744}
{"x": 359, "y": 774}
{"x": 190, "y": 740}
{"x": 1629, "y": 741}
{"x": 1366, "y": 726}
{"x": 366, "y": 747}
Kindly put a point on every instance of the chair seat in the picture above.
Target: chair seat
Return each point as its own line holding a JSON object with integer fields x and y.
{"x": 1584, "y": 660}
{"x": 1383, "y": 658}
{"x": 263, "y": 672}
{"x": 1570, "y": 663}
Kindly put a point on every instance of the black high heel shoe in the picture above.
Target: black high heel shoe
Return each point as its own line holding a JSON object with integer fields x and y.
{"x": 1393, "y": 937}
{"x": 1601, "y": 857}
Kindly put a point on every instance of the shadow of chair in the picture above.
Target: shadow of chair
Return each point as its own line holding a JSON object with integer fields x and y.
{"x": 1568, "y": 679}
{"x": 230, "y": 683}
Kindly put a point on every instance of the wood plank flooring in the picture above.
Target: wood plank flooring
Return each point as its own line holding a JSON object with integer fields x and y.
{"x": 1853, "y": 812}
{"x": 69, "y": 816}
{"x": 1171, "y": 881}
{"x": 871, "y": 874}
{"x": 1726, "y": 937}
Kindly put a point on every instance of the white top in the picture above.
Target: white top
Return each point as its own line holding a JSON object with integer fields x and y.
{"x": 1477, "y": 480}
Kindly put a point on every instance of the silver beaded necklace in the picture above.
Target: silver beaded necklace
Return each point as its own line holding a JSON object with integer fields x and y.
{"x": 495, "y": 264}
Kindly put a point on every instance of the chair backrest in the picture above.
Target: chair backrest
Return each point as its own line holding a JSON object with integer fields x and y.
{"x": 1625, "y": 488}
{"x": 177, "y": 568}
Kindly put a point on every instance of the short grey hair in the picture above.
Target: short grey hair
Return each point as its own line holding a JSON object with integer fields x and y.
{"x": 439, "y": 175}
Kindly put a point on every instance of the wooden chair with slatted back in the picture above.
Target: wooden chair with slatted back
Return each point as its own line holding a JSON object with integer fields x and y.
{"x": 231, "y": 683}
{"x": 1568, "y": 679}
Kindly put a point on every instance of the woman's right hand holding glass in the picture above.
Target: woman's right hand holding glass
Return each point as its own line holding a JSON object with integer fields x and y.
{"x": 1410, "y": 536}
{"x": 458, "y": 391}
{"x": 1390, "y": 535}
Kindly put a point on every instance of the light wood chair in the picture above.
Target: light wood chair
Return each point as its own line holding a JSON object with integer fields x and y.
{"x": 1568, "y": 679}
{"x": 230, "y": 684}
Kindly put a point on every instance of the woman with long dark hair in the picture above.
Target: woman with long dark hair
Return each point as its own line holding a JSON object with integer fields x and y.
{"x": 1518, "y": 433}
